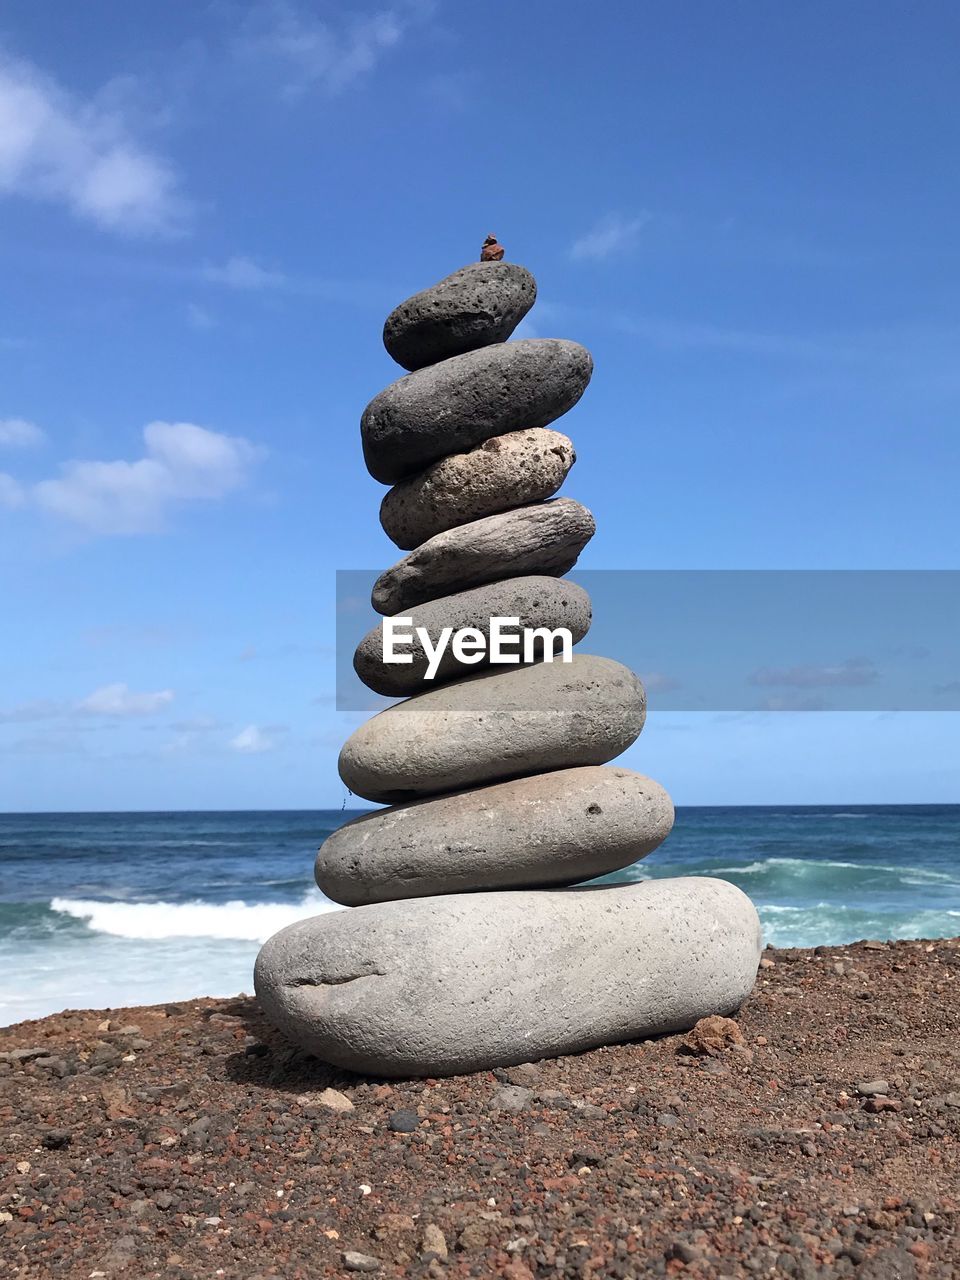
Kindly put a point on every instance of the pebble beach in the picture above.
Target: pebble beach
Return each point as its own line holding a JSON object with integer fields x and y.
{"x": 816, "y": 1137}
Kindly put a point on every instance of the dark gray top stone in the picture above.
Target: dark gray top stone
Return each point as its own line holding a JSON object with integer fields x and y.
{"x": 478, "y": 305}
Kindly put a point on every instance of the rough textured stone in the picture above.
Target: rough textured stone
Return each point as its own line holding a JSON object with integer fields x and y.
{"x": 554, "y": 829}
{"x": 459, "y": 403}
{"x": 502, "y": 723}
{"x": 435, "y": 986}
{"x": 475, "y": 307}
{"x": 712, "y": 1036}
{"x": 545, "y": 538}
{"x": 503, "y": 472}
{"x": 334, "y": 1100}
{"x": 537, "y": 602}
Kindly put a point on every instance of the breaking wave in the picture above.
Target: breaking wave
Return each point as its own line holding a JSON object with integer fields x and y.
{"x": 239, "y": 921}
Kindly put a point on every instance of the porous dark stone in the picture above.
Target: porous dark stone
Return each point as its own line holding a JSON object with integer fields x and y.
{"x": 474, "y": 307}
{"x": 552, "y": 829}
{"x": 545, "y": 538}
{"x": 503, "y": 472}
{"x": 504, "y": 723}
{"x": 458, "y": 403}
{"x": 535, "y": 600}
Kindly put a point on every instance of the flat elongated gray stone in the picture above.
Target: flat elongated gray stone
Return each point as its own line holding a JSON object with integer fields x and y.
{"x": 467, "y": 982}
{"x": 503, "y": 723}
{"x": 503, "y": 472}
{"x": 536, "y": 601}
{"x": 478, "y": 305}
{"x": 545, "y": 538}
{"x": 552, "y": 829}
{"x": 459, "y": 403}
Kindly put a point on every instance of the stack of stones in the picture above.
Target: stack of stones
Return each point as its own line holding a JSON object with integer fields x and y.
{"x": 467, "y": 948}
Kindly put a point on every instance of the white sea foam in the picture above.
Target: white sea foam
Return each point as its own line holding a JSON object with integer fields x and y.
{"x": 776, "y": 909}
{"x": 801, "y": 865}
{"x": 810, "y": 866}
{"x": 240, "y": 921}
{"x": 830, "y": 816}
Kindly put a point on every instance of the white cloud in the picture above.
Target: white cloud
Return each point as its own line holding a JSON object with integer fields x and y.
{"x": 17, "y": 433}
{"x": 11, "y": 493}
{"x": 252, "y": 740}
{"x": 61, "y": 149}
{"x": 119, "y": 700}
{"x": 182, "y": 463}
{"x": 239, "y": 272}
{"x": 309, "y": 53}
{"x": 611, "y": 236}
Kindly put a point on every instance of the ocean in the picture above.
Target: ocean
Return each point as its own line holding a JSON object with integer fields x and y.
{"x": 110, "y": 909}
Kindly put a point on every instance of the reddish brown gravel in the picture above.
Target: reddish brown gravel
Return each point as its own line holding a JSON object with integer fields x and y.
{"x": 191, "y": 1140}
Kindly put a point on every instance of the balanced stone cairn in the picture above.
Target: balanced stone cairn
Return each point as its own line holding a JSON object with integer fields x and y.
{"x": 467, "y": 947}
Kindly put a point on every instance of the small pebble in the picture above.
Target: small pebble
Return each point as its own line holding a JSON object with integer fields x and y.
{"x": 361, "y": 1262}
{"x": 869, "y": 1088}
{"x": 404, "y": 1122}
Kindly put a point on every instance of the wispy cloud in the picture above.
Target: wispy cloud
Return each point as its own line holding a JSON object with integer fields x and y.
{"x": 44, "y": 745}
{"x": 196, "y": 724}
{"x": 29, "y": 712}
{"x": 793, "y": 702}
{"x": 108, "y": 701}
{"x": 679, "y": 335}
{"x": 308, "y": 53}
{"x": 11, "y": 493}
{"x": 17, "y": 433}
{"x": 659, "y": 682}
{"x": 200, "y": 318}
{"x": 282, "y": 652}
{"x": 253, "y": 740}
{"x": 240, "y": 272}
{"x": 854, "y": 673}
{"x": 611, "y": 237}
{"x": 119, "y": 700}
{"x": 61, "y": 149}
{"x": 182, "y": 462}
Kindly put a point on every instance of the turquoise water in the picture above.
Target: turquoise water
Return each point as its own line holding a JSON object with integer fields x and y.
{"x": 110, "y": 909}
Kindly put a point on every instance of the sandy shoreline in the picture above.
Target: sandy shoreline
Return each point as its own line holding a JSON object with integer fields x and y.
{"x": 191, "y": 1140}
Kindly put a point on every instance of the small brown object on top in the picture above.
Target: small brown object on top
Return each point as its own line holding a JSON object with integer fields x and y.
{"x": 492, "y": 251}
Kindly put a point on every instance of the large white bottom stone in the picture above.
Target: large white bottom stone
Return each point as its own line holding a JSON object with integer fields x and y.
{"x": 466, "y": 982}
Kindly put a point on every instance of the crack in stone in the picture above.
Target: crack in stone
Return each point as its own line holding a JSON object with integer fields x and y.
{"x": 335, "y": 982}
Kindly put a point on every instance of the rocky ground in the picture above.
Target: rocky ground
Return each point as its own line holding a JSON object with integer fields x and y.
{"x": 191, "y": 1140}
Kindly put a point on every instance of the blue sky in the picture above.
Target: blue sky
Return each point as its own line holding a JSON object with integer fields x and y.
{"x": 748, "y": 213}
